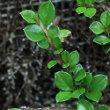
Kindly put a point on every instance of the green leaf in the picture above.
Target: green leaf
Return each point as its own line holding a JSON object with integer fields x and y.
{"x": 77, "y": 69}
{"x": 80, "y": 10}
{"x": 105, "y": 18}
{"x": 46, "y": 12}
{"x": 98, "y": 83}
{"x": 97, "y": 27}
{"x": 103, "y": 107}
{"x": 90, "y": 12}
{"x": 53, "y": 32}
{"x": 90, "y": 2}
{"x": 77, "y": 93}
{"x": 52, "y": 63}
{"x": 44, "y": 44}
{"x": 34, "y": 32}
{"x": 14, "y": 109}
{"x": 107, "y": 50}
{"x": 73, "y": 58}
{"x": 65, "y": 65}
{"x": 80, "y": 75}
{"x": 58, "y": 51}
{"x": 84, "y": 105}
{"x": 72, "y": 68}
{"x": 87, "y": 80}
{"x": 64, "y": 33}
{"x": 63, "y": 96}
{"x": 56, "y": 42}
{"x": 99, "y": 1}
{"x": 65, "y": 56}
{"x": 94, "y": 96}
{"x": 29, "y": 16}
{"x": 81, "y": 2}
{"x": 101, "y": 40}
{"x": 64, "y": 81}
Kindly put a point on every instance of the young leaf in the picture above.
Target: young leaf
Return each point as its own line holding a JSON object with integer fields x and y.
{"x": 77, "y": 93}
{"x": 56, "y": 42}
{"x": 64, "y": 81}
{"x": 84, "y": 105}
{"x": 77, "y": 69}
{"x": 103, "y": 107}
{"x": 98, "y": 83}
{"x": 29, "y": 16}
{"x": 94, "y": 96}
{"x": 53, "y": 32}
{"x": 90, "y": 12}
{"x": 105, "y": 18}
{"x": 73, "y": 58}
{"x": 101, "y": 40}
{"x": 80, "y": 75}
{"x": 44, "y": 44}
{"x": 97, "y": 27}
{"x": 34, "y": 32}
{"x": 81, "y": 2}
{"x": 64, "y": 33}
{"x": 52, "y": 63}
{"x": 46, "y": 12}
{"x": 65, "y": 56}
{"x": 65, "y": 65}
{"x": 63, "y": 96}
{"x": 80, "y": 10}
{"x": 87, "y": 80}
{"x": 90, "y": 2}
{"x": 58, "y": 51}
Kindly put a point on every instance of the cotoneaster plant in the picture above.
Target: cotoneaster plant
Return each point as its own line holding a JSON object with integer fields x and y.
{"x": 75, "y": 82}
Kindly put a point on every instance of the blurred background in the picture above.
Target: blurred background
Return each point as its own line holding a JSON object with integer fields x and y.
{"x": 24, "y": 77}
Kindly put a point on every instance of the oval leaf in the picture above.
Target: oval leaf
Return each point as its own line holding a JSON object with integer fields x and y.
{"x": 84, "y": 105}
{"x": 44, "y": 44}
{"x": 94, "y": 96}
{"x": 52, "y": 63}
{"x": 98, "y": 83}
{"x": 77, "y": 93}
{"x": 63, "y": 96}
{"x": 46, "y": 12}
{"x": 80, "y": 10}
{"x": 64, "y": 81}
{"x": 34, "y": 32}
{"x": 56, "y": 42}
{"x": 97, "y": 27}
{"x": 29, "y": 16}
{"x": 58, "y": 51}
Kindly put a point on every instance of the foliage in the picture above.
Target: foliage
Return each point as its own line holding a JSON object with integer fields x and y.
{"x": 75, "y": 83}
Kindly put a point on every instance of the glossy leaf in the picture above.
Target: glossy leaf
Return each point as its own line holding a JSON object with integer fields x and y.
{"x": 84, "y": 105}
{"x": 94, "y": 96}
{"x": 44, "y": 44}
{"x": 46, "y": 12}
{"x": 87, "y": 80}
{"x": 101, "y": 40}
{"x": 77, "y": 69}
{"x": 52, "y": 63}
{"x": 64, "y": 81}
{"x": 80, "y": 10}
{"x": 65, "y": 56}
{"x": 77, "y": 93}
{"x": 65, "y": 65}
{"x": 34, "y": 32}
{"x": 98, "y": 83}
{"x": 63, "y": 96}
{"x": 80, "y": 75}
{"x": 97, "y": 27}
{"x": 73, "y": 58}
{"x": 80, "y": 2}
{"x": 56, "y": 42}
{"x": 58, "y": 51}
{"x": 105, "y": 18}
{"x": 29, "y": 16}
{"x": 90, "y": 12}
{"x": 53, "y": 32}
{"x": 103, "y": 107}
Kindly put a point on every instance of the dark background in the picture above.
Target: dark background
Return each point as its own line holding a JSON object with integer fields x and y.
{"x": 24, "y": 77}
